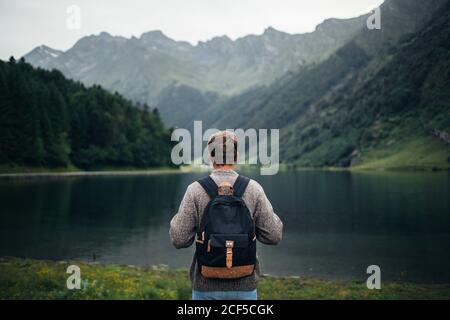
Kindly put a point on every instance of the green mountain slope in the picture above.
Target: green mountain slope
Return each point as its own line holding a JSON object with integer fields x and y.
{"x": 49, "y": 121}
{"x": 179, "y": 104}
{"x": 373, "y": 103}
{"x": 383, "y": 117}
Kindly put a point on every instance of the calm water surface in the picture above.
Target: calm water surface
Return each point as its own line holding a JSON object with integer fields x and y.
{"x": 336, "y": 223}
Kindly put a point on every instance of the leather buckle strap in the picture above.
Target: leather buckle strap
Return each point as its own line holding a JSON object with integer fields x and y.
{"x": 227, "y": 273}
{"x": 229, "y": 245}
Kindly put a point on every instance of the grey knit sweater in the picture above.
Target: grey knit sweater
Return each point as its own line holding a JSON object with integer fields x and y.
{"x": 184, "y": 226}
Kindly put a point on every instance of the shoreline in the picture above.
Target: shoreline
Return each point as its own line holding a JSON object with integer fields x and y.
{"x": 78, "y": 174}
{"x": 24, "y": 173}
{"x": 23, "y": 278}
{"x": 152, "y": 172}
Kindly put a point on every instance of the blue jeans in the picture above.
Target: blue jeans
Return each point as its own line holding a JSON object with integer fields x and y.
{"x": 224, "y": 295}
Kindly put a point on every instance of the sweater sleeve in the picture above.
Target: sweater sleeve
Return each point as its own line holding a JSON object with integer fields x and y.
{"x": 184, "y": 224}
{"x": 269, "y": 227}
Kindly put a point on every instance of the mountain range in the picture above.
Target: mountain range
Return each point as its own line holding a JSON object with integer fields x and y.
{"x": 141, "y": 68}
{"x": 342, "y": 95}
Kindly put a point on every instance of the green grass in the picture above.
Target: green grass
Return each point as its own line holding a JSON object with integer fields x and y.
{"x": 37, "y": 279}
{"x": 421, "y": 153}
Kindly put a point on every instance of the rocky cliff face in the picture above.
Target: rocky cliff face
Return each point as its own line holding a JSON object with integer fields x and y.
{"x": 140, "y": 68}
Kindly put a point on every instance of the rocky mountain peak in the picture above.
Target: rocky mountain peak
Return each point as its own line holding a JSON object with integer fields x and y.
{"x": 42, "y": 55}
{"x": 271, "y": 31}
{"x": 154, "y": 35}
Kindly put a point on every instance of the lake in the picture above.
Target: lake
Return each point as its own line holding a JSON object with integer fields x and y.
{"x": 336, "y": 223}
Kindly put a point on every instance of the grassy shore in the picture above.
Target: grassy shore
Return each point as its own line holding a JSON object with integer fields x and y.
{"x": 37, "y": 279}
{"x": 416, "y": 154}
{"x": 28, "y": 173}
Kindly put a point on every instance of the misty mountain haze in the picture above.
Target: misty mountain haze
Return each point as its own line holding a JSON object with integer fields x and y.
{"x": 314, "y": 86}
{"x": 140, "y": 68}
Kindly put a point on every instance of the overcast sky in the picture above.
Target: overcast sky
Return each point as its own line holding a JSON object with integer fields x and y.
{"x": 25, "y": 24}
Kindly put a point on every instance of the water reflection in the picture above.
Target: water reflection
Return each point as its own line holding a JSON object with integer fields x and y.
{"x": 336, "y": 223}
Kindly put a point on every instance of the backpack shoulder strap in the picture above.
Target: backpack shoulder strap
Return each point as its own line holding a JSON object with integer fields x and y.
{"x": 209, "y": 185}
{"x": 240, "y": 185}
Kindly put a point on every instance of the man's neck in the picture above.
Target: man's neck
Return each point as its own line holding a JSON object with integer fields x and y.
{"x": 224, "y": 167}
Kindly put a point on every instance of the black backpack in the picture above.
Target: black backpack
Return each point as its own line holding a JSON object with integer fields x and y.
{"x": 226, "y": 244}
